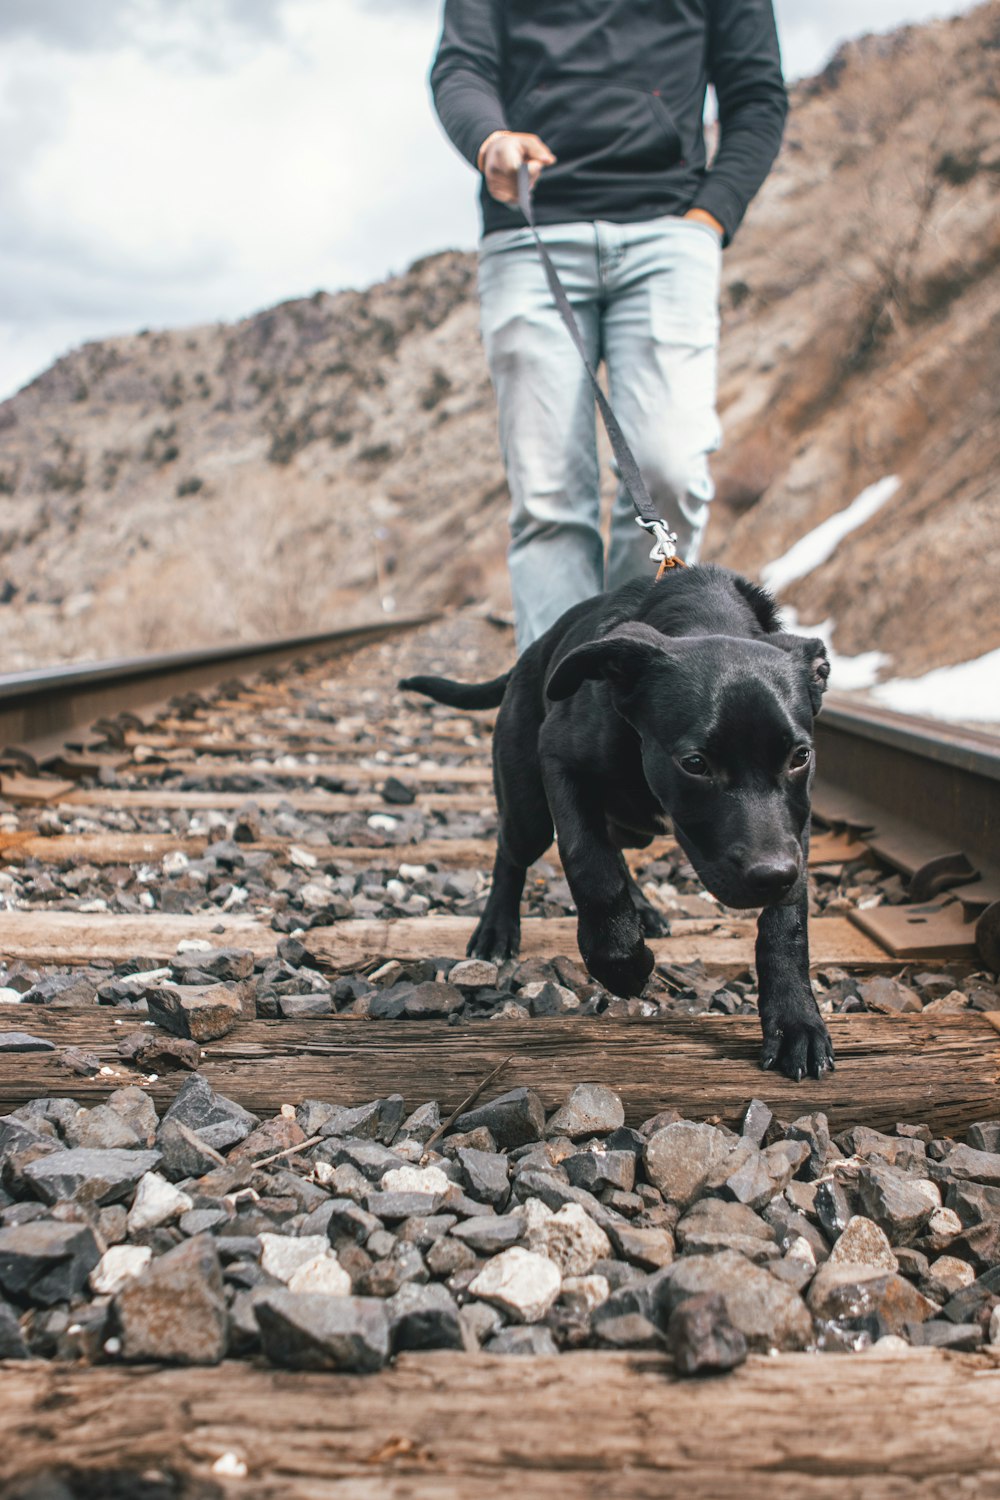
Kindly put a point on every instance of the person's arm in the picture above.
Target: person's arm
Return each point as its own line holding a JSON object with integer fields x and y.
{"x": 465, "y": 77}
{"x": 745, "y": 67}
{"x": 465, "y": 83}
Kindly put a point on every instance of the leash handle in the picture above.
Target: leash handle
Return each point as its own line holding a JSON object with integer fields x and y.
{"x": 665, "y": 548}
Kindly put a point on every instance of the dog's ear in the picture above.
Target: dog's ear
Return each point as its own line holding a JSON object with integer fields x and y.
{"x": 618, "y": 658}
{"x": 812, "y": 652}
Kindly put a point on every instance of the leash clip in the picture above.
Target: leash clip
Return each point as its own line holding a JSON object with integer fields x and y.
{"x": 664, "y": 541}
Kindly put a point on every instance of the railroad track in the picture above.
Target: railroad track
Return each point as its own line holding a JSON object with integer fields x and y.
{"x": 286, "y": 805}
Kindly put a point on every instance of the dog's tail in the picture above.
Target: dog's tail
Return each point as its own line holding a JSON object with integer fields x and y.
{"x": 459, "y": 694}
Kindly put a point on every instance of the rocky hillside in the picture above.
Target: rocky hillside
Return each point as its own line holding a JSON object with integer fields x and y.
{"x": 312, "y": 462}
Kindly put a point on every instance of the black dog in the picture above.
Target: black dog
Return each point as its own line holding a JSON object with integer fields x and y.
{"x": 677, "y": 702}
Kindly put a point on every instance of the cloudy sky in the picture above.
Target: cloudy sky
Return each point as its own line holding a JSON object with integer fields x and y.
{"x": 165, "y": 162}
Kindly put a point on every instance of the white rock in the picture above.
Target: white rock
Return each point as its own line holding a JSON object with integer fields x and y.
{"x": 156, "y": 1202}
{"x": 891, "y": 1343}
{"x": 800, "y": 1249}
{"x": 117, "y": 1266}
{"x": 415, "y": 1180}
{"x": 302, "y": 857}
{"x": 413, "y": 872}
{"x": 175, "y": 862}
{"x": 927, "y": 1189}
{"x": 524, "y": 1284}
{"x": 944, "y": 1221}
{"x": 281, "y": 1255}
{"x": 570, "y": 1239}
{"x": 382, "y": 823}
{"x": 323, "y": 1274}
{"x": 9, "y": 997}
{"x": 534, "y": 1212}
{"x": 315, "y": 894}
{"x": 585, "y": 1292}
{"x": 194, "y": 945}
{"x": 231, "y": 1465}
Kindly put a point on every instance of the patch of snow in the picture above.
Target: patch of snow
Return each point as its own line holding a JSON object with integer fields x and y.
{"x": 817, "y": 545}
{"x": 847, "y": 673}
{"x": 969, "y": 691}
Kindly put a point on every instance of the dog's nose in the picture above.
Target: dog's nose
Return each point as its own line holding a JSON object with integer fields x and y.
{"x": 774, "y": 876}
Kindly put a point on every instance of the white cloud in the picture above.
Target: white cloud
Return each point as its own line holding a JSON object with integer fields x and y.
{"x": 178, "y": 161}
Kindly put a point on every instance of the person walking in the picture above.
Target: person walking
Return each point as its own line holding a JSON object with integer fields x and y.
{"x": 604, "y": 101}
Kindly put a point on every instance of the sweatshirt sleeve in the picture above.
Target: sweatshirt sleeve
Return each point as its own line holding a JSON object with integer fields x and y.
{"x": 465, "y": 77}
{"x": 745, "y": 66}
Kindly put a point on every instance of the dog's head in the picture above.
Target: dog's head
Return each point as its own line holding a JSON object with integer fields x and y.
{"x": 726, "y": 730}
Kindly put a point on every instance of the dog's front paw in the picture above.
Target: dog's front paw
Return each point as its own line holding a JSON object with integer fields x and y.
{"x": 495, "y": 939}
{"x": 796, "y": 1045}
{"x": 622, "y": 976}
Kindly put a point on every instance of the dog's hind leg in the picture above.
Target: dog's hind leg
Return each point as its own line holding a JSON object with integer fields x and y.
{"x": 525, "y": 832}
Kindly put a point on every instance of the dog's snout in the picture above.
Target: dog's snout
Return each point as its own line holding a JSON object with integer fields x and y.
{"x": 775, "y": 875}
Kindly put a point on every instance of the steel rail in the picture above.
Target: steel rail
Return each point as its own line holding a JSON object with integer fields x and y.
{"x": 40, "y": 709}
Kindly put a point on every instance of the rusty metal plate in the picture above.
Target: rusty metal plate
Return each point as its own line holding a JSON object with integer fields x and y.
{"x": 938, "y": 929}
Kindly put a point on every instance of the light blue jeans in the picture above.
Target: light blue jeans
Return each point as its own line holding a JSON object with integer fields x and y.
{"x": 646, "y": 297}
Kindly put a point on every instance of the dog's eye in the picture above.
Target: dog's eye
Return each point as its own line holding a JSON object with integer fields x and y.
{"x": 800, "y": 757}
{"x": 695, "y": 765}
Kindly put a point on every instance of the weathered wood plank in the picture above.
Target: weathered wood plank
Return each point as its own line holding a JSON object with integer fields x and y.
{"x": 583, "y": 1425}
{"x": 139, "y": 848}
{"x": 722, "y": 944}
{"x": 76, "y": 937}
{"x": 942, "y": 1072}
{"x": 156, "y": 800}
{"x": 204, "y": 765}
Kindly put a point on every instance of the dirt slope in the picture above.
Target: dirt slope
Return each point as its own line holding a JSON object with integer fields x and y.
{"x": 291, "y": 470}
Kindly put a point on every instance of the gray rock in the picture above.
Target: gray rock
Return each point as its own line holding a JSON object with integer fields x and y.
{"x": 595, "y": 1171}
{"x": 966, "y": 1164}
{"x": 895, "y": 1203}
{"x": 713, "y": 1224}
{"x": 866, "y": 1296}
{"x": 832, "y": 1208}
{"x": 570, "y": 1239}
{"x": 94, "y": 1177}
{"x": 424, "y": 1317}
{"x": 701, "y": 1337}
{"x": 757, "y": 1121}
{"x": 479, "y": 1321}
{"x": 425, "y": 1231}
{"x": 447, "y": 1256}
{"x": 484, "y": 1175}
{"x": 393, "y": 1206}
{"x": 175, "y": 1311}
{"x": 346, "y": 1217}
{"x": 432, "y": 999}
{"x": 136, "y": 1108}
{"x": 513, "y": 1119}
{"x": 378, "y": 1121}
{"x": 985, "y": 1136}
{"x": 183, "y": 1155}
{"x": 651, "y": 1248}
{"x": 491, "y": 1233}
{"x": 323, "y": 1333}
{"x": 937, "y": 1333}
{"x": 101, "y": 1129}
{"x": 769, "y": 1314}
{"x": 423, "y": 1122}
{"x": 202, "y": 1012}
{"x": 367, "y": 1157}
{"x": 12, "y": 1344}
{"x": 684, "y": 1160}
{"x": 46, "y": 1261}
{"x": 814, "y": 1130}
{"x": 305, "y": 1007}
{"x": 533, "y": 1340}
{"x": 624, "y": 1330}
{"x": 218, "y": 1121}
{"x": 220, "y": 963}
{"x": 474, "y": 974}
{"x": 23, "y": 1041}
{"x": 591, "y": 1109}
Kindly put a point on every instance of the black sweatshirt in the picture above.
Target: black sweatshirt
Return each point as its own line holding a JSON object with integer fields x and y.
{"x": 616, "y": 90}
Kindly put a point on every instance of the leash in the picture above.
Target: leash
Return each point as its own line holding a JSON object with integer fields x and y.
{"x": 664, "y": 540}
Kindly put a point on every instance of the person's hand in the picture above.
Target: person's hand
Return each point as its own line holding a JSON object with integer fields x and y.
{"x": 703, "y": 216}
{"x": 502, "y": 154}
